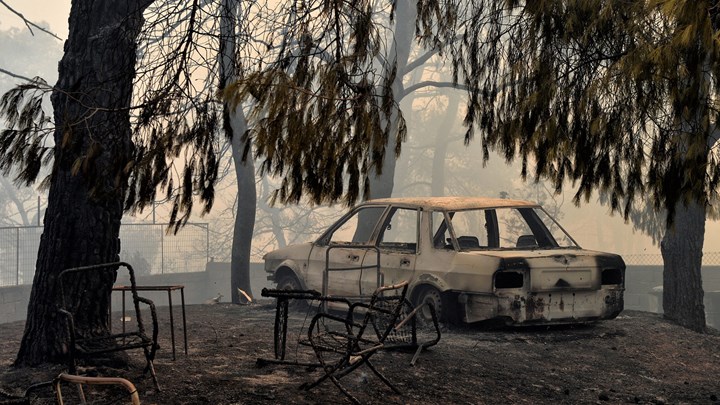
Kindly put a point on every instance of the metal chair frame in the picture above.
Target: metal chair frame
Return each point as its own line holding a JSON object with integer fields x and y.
{"x": 93, "y": 345}
{"x": 357, "y": 336}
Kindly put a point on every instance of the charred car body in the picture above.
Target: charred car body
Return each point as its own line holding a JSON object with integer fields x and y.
{"x": 474, "y": 258}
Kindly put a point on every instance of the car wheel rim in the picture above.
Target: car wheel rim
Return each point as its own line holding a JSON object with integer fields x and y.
{"x": 432, "y": 297}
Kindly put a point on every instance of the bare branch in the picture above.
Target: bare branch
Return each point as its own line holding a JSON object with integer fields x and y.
{"x": 29, "y": 24}
{"x": 11, "y": 74}
{"x": 432, "y": 83}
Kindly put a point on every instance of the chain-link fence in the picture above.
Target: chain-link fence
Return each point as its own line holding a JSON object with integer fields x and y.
{"x": 147, "y": 247}
{"x": 18, "y": 254}
{"x": 708, "y": 259}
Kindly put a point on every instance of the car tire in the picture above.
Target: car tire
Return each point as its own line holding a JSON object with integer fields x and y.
{"x": 288, "y": 282}
{"x": 433, "y": 296}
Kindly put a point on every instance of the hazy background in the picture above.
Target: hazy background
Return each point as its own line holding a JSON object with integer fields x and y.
{"x": 591, "y": 225}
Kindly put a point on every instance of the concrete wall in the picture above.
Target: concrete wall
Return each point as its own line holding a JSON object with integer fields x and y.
{"x": 199, "y": 287}
{"x": 14, "y": 302}
{"x": 643, "y": 290}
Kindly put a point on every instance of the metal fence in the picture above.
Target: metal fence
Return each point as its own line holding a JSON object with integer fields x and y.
{"x": 147, "y": 247}
{"x": 708, "y": 259}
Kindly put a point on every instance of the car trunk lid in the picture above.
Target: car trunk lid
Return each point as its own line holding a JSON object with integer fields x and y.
{"x": 556, "y": 269}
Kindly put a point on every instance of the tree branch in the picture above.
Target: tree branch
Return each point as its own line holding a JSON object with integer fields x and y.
{"x": 432, "y": 83}
{"x": 29, "y": 24}
{"x": 11, "y": 74}
{"x": 419, "y": 61}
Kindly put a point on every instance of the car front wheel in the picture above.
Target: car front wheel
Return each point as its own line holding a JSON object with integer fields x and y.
{"x": 290, "y": 282}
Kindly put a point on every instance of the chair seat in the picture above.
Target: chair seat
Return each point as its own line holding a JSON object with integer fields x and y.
{"x": 112, "y": 343}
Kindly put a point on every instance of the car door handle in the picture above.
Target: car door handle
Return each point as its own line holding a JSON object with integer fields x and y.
{"x": 404, "y": 261}
{"x": 353, "y": 258}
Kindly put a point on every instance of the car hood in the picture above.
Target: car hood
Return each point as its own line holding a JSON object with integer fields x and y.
{"x": 299, "y": 251}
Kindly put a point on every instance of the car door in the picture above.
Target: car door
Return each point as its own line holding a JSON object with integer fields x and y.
{"x": 335, "y": 262}
{"x": 397, "y": 243}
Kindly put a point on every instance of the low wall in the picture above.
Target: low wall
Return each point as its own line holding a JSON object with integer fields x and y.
{"x": 199, "y": 288}
{"x": 643, "y": 290}
{"x": 14, "y": 302}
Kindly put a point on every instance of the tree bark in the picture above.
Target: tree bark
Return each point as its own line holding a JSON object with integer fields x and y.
{"x": 93, "y": 147}
{"x": 681, "y": 249}
{"x": 235, "y": 126}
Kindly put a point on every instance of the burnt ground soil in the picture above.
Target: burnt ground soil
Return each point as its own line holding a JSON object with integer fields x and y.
{"x": 637, "y": 358}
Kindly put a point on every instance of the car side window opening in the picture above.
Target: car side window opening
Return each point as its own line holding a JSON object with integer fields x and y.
{"x": 514, "y": 230}
{"x": 357, "y": 228}
{"x": 399, "y": 231}
{"x": 472, "y": 228}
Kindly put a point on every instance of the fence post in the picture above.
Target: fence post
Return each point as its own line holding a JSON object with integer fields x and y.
{"x": 17, "y": 256}
{"x": 162, "y": 250}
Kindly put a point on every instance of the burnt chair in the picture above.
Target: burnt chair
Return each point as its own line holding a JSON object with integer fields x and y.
{"x": 90, "y": 346}
{"x": 344, "y": 343}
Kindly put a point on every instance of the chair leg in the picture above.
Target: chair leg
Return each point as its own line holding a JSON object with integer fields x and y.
{"x": 328, "y": 370}
{"x": 151, "y": 367}
{"x": 382, "y": 377}
{"x": 344, "y": 391}
{"x": 344, "y": 365}
{"x": 330, "y": 373}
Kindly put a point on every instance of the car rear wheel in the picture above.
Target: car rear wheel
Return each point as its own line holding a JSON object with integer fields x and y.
{"x": 430, "y": 295}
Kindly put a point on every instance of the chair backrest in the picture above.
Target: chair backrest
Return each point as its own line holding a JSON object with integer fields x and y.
{"x": 384, "y": 309}
{"x": 66, "y": 277}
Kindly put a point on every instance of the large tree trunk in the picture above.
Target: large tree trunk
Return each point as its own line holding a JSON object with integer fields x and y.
{"x": 235, "y": 126}
{"x": 681, "y": 249}
{"x": 93, "y": 147}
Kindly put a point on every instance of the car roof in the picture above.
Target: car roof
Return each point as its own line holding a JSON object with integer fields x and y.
{"x": 452, "y": 203}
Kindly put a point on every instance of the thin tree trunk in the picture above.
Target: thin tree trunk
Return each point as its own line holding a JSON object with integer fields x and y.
{"x": 681, "y": 249}
{"x": 245, "y": 216}
{"x": 85, "y": 203}
{"x": 235, "y": 126}
{"x": 437, "y": 182}
{"x": 382, "y": 183}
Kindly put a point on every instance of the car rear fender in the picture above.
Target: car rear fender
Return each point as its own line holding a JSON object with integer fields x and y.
{"x": 428, "y": 280}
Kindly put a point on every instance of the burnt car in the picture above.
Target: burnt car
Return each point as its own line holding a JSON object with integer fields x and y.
{"x": 473, "y": 258}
